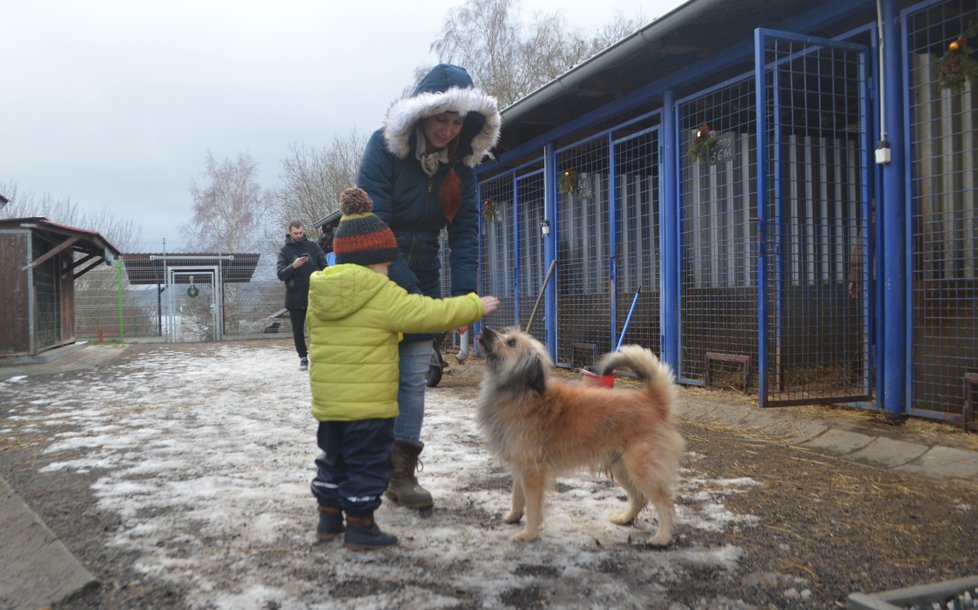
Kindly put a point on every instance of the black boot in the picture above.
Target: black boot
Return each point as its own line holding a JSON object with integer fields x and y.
{"x": 362, "y": 534}
{"x": 403, "y": 487}
{"x": 330, "y": 523}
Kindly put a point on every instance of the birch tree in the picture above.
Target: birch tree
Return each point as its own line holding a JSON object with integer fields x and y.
{"x": 313, "y": 178}
{"x": 510, "y": 58}
{"x": 230, "y": 207}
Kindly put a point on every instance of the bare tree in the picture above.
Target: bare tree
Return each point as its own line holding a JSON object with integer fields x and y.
{"x": 511, "y": 59}
{"x": 121, "y": 233}
{"x": 314, "y": 178}
{"x": 229, "y": 208}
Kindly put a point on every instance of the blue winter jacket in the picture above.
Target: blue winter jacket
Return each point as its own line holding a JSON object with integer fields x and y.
{"x": 406, "y": 198}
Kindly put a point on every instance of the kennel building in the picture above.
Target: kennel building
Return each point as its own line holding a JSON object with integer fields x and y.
{"x": 778, "y": 197}
{"x": 40, "y": 263}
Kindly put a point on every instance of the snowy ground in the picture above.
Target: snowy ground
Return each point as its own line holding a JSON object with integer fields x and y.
{"x": 207, "y": 459}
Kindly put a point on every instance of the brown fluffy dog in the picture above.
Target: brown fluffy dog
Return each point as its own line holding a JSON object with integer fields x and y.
{"x": 540, "y": 427}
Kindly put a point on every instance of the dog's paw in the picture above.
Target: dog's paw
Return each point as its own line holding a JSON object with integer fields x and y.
{"x": 625, "y": 518}
{"x": 526, "y": 536}
{"x": 512, "y": 517}
{"x": 661, "y": 539}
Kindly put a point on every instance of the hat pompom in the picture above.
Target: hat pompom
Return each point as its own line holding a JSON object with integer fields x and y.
{"x": 362, "y": 238}
{"x": 355, "y": 201}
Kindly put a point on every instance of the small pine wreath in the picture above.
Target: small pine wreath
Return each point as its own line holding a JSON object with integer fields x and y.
{"x": 958, "y": 64}
{"x": 567, "y": 183}
{"x": 703, "y": 142}
{"x": 488, "y": 209}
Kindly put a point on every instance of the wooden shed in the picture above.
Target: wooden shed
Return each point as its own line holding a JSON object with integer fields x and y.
{"x": 39, "y": 263}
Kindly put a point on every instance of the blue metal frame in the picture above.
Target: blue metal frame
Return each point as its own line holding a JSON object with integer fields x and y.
{"x": 551, "y": 241}
{"x": 761, "y": 145}
{"x": 516, "y": 250}
{"x": 613, "y": 238}
{"x": 669, "y": 232}
{"x": 895, "y": 262}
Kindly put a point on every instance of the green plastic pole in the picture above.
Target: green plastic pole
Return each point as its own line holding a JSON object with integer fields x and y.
{"x": 122, "y": 332}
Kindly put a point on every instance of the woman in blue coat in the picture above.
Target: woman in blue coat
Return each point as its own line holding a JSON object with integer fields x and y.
{"x": 418, "y": 170}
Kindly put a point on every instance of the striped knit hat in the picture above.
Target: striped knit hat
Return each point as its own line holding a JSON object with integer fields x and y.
{"x": 362, "y": 238}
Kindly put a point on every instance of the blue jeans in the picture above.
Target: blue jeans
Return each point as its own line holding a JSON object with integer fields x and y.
{"x": 415, "y": 358}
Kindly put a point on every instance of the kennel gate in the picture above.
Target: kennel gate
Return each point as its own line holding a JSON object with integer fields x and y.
{"x": 813, "y": 186}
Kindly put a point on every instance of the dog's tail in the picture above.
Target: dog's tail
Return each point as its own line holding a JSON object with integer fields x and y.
{"x": 657, "y": 375}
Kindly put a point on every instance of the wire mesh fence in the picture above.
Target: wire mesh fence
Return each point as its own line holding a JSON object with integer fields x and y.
{"x": 718, "y": 269}
{"x": 583, "y": 252}
{"x": 498, "y": 256}
{"x": 182, "y": 298}
{"x": 530, "y": 254}
{"x": 944, "y": 216}
{"x": 637, "y": 244}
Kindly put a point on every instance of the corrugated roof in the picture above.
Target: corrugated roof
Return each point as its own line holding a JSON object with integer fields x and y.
{"x": 148, "y": 268}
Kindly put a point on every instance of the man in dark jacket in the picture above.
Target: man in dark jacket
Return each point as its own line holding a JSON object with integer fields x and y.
{"x": 297, "y": 259}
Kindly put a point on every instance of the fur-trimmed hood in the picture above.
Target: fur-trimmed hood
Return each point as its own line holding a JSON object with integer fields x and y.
{"x": 445, "y": 88}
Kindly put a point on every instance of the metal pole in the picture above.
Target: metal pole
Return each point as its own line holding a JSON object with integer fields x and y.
{"x": 669, "y": 206}
{"x": 543, "y": 289}
{"x": 892, "y": 212}
{"x": 628, "y": 318}
{"x": 122, "y": 330}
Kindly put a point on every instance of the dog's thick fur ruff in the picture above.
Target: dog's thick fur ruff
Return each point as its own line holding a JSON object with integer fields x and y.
{"x": 540, "y": 427}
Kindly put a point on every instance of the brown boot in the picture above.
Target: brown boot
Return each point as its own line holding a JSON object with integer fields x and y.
{"x": 403, "y": 488}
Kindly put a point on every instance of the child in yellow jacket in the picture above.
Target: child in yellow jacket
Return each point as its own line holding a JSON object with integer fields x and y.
{"x": 357, "y": 317}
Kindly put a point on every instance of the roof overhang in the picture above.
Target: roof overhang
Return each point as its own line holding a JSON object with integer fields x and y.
{"x": 150, "y": 268}
{"x": 92, "y": 249}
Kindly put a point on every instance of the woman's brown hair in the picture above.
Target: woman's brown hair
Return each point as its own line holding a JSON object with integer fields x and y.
{"x": 450, "y": 193}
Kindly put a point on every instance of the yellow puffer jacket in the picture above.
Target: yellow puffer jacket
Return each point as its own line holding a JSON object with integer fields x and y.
{"x": 356, "y": 318}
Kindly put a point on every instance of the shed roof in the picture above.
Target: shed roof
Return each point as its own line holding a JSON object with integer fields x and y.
{"x": 148, "y": 267}
{"x": 93, "y": 248}
{"x": 331, "y": 221}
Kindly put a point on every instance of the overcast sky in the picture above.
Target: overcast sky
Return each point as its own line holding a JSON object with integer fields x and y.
{"x": 115, "y": 104}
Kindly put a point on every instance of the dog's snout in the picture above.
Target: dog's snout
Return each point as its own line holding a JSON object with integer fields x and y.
{"x": 486, "y": 337}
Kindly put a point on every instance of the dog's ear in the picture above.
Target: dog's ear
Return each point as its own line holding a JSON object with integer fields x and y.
{"x": 532, "y": 375}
